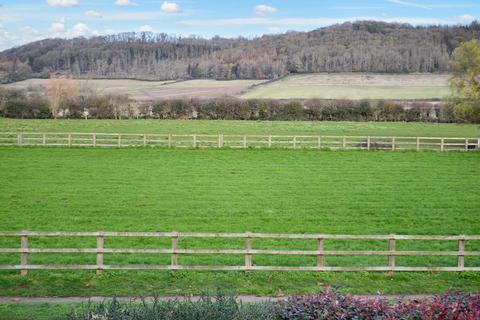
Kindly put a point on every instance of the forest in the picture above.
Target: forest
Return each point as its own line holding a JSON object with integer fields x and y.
{"x": 363, "y": 46}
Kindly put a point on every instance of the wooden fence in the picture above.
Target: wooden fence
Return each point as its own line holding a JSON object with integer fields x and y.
{"x": 238, "y": 141}
{"x": 175, "y": 250}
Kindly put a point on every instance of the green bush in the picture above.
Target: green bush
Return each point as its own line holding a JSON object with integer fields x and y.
{"x": 220, "y": 307}
{"x": 467, "y": 112}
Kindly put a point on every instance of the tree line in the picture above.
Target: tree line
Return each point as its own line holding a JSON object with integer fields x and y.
{"x": 364, "y": 46}
{"x": 19, "y": 104}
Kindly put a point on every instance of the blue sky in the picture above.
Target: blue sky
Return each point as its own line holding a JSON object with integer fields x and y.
{"x": 22, "y": 21}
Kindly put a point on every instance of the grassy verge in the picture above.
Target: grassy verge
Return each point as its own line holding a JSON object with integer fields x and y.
{"x": 243, "y": 127}
{"x": 235, "y": 191}
{"x": 44, "y": 311}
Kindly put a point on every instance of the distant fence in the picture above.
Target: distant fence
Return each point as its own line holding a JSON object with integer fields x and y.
{"x": 248, "y": 252}
{"x": 238, "y": 141}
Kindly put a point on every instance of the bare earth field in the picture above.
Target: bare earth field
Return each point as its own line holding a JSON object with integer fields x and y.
{"x": 354, "y": 86}
{"x": 152, "y": 90}
{"x": 306, "y": 86}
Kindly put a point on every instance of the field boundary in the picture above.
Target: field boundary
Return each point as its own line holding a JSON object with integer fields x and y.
{"x": 319, "y": 142}
{"x": 247, "y": 252}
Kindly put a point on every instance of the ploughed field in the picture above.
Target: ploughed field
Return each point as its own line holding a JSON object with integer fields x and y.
{"x": 151, "y": 90}
{"x": 303, "y": 86}
{"x": 354, "y": 86}
{"x": 271, "y": 191}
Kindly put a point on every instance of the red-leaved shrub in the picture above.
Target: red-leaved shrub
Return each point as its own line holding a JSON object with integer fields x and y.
{"x": 331, "y": 305}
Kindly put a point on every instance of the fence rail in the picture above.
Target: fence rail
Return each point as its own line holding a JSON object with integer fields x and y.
{"x": 52, "y": 139}
{"x": 248, "y": 252}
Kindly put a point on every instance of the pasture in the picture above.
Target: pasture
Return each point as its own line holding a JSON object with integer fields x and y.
{"x": 273, "y": 191}
{"x": 150, "y": 90}
{"x": 214, "y": 127}
{"x": 353, "y": 86}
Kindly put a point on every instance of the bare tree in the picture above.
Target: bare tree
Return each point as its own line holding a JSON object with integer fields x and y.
{"x": 60, "y": 90}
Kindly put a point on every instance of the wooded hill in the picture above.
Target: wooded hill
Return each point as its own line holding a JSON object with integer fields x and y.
{"x": 365, "y": 46}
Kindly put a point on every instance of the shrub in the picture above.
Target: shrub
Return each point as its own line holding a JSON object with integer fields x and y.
{"x": 467, "y": 112}
{"x": 333, "y": 305}
{"x": 221, "y": 307}
{"x": 328, "y": 305}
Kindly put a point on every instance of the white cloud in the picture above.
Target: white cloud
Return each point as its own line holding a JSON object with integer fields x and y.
{"x": 274, "y": 30}
{"x": 170, "y": 7}
{"x": 6, "y": 38}
{"x": 29, "y": 31}
{"x": 29, "y": 34}
{"x": 93, "y": 14}
{"x": 124, "y": 3}
{"x": 79, "y": 30}
{"x": 57, "y": 27}
{"x": 146, "y": 28}
{"x": 263, "y": 9}
{"x": 466, "y": 18}
{"x": 62, "y": 3}
{"x": 409, "y": 4}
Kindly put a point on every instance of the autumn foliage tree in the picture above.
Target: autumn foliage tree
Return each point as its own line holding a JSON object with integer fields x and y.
{"x": 60, "y": 90}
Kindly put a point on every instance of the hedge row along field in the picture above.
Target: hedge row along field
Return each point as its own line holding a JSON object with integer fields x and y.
{"x": 275, "y": 191}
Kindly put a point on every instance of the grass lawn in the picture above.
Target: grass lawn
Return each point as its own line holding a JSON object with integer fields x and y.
{"x": 42, "y": 311}
{"x": 244, "y": 127}
{"x": 277, "y": 191}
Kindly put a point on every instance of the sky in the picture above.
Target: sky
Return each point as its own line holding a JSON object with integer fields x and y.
{"x": 23, "y": 21}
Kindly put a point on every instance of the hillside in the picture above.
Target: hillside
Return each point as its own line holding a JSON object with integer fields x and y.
{"x": 365, "y": 46}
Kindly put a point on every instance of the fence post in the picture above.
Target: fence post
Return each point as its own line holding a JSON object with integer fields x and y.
{"x": 418, "y": 143}
{"x": 344, "y": 143}
{"x": 319, "y": 142}
{"x": 174, "y": 259}
{"x": 461, "y": 252}
{"x": 320, "y": 256}
{"x": 69, "y": 139}
{"x": 24, "y": 254}
{"x": 393, "y": 143}
{"x": 466, "y": 144}
{"x": 194, "y": 140}
{"x": 19, "y": 139}
{"x": 119, "y": 140}
{"x": 391, "y": 248}
{"x": 244, "y": 141}
{"x": 169, "y": 141}
{"x": 294, "y": 142}
{"x": 44, "y": 139}
{"x": 100, "y": 246}
{"x": 145, "y": 140}
{"x": 94, "y": 140}
{"x": 269, "y": 141}
{"x": 442, "y": 144}
{"x": 248, "y": 247}
{"x": 369, "y": 142}
{"x": 220, "y": 141}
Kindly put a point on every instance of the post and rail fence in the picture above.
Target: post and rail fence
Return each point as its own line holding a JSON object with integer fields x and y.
{"x": 175, "y": 250}
{"x": 53, "y": 139}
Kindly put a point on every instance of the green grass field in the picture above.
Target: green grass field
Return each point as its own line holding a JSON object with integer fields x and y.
{"x": 354, "y": 86}
{"x": 235, "y": 191}
{"x": 244, "y": 127}
{"x": 41, "y": 311}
